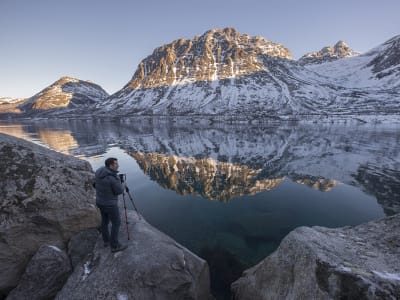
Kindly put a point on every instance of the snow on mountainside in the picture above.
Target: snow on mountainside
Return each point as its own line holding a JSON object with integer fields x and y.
{"x": 66, "y": 95}
{"x": 329, "y": 53}
{"x": 378, "y": 69}
{"x": 226, "y": 73}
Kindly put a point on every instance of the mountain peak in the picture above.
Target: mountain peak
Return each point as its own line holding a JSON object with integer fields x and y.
{"x": 328, "y": 53}
{"x": 65, "y": 92}
{"x": 217, "y": 54}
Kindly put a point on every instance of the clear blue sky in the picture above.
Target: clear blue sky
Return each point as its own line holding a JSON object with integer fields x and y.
{"x": 104, "y": 41}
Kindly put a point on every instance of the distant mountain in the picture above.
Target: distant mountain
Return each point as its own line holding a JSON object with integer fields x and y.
{"x": 329, "y": 53}
{"x": 65, "y": 96}
{"x": 10, "y": 105}
{"x": 226, "y": 73}
{"x": 373, "y": 74}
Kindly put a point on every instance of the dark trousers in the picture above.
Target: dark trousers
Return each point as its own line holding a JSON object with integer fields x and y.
{"x": 110, "y": 213}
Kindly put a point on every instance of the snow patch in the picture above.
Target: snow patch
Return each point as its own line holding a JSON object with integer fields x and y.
{"x": 55, "y": 248}
{"x": 86, "y": 270}
{"x": 388, "y": 276}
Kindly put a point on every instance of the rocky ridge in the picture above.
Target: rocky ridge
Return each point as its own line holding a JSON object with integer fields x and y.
{"x": 215, "y": 55}
{"x": 329, "y": 53}
{"x": 65, "y": 95}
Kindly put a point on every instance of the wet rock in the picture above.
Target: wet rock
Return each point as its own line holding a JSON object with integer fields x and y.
{"x": 47, "y": 197}
{"x": 44, "y": 276}
{"x": 152, "y": 267}
{"x": 361, "y": 262}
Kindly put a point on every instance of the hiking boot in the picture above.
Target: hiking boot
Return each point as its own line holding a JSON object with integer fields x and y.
{"x": 119, "y": 248}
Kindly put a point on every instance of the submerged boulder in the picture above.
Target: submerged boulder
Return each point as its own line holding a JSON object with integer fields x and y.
{"x": 152, "y": 267}
{"x": 46, "y": 197}
{"x": 361, "y": 262}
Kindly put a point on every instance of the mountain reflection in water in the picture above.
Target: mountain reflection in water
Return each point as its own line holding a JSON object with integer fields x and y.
{"x": 264, "y": 180}
{"x": 212, "y": 179}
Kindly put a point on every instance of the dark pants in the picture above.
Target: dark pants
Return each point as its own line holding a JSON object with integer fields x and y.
{"x": 110, "y": 213}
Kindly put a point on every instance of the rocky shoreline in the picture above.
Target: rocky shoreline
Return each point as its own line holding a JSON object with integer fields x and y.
{"x": 50, "y": 247}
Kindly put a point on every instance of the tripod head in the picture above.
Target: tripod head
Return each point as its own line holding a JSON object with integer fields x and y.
{"x": 122, "y": 177}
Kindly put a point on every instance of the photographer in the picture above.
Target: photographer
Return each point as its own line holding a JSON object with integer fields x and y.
{"x": 108, "y": 187}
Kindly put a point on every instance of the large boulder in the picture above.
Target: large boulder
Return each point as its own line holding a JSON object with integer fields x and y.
{"x": 44, "y": 276}
{"x": 152, "y": 267}
{"x": 46, "y": 197}
{"x": 361, "y": 262}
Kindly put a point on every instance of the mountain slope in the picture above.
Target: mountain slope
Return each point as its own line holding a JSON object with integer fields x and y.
{"x": 66, "y": 95}
{"x": 378, "y": 69}
{"x": 226, "y": 73}
{"x": 329, "y": 53}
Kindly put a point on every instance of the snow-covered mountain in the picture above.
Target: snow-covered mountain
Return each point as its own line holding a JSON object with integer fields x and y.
{"x": 65, "y": 96}
{"x": 224, "y": 72}
{"x": 329, "y": 53}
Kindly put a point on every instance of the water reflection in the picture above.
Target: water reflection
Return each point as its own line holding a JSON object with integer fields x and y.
{"x": 212, "y": 179}
{"x": 224, "y": 161}
{"x": 205, "y": 176}
{"x": 59, "y": 140}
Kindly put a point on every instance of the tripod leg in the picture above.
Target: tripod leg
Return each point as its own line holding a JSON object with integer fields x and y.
{"x": 126, "y": 216}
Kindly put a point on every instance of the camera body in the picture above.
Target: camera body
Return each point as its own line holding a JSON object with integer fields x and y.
{"x": 122, "y": 177}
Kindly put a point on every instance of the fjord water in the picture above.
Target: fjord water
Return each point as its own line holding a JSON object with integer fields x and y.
{"x": 231, "y": 192}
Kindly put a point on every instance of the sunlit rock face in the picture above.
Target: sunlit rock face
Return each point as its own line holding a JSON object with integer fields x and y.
{"x": 66, "y": 92}
{"x": 329, "y": 53}
{"x": 215, "y": 55}
{"x": 10, "y": 105}
{"x": 213, "y": 180}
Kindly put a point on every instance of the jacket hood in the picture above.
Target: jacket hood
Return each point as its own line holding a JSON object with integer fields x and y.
{"x": 104, "y": 171}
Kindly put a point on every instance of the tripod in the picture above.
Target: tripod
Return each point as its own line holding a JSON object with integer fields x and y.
{"x": 122, "y": 178}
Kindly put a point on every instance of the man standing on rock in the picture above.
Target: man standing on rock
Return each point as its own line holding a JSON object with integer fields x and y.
{"x": 108, "y": 187}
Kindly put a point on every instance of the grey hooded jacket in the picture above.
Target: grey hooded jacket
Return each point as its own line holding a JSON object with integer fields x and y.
{"x": 108, "y": 186}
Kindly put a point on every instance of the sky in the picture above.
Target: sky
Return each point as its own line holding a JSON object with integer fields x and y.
{"x": 104, "y": 41}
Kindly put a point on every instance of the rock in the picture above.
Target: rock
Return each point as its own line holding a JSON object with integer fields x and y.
{"x": 44, "y": 276}
{"x": 47, "y": 197}
{"x": 361, "y": 262}
{"x": 152, "y": 267}
{"x": 81, "y": 245}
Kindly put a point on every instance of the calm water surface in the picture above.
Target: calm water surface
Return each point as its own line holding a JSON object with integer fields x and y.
{"x": 230, "y": 193}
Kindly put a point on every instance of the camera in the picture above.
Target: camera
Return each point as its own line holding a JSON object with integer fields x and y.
{"x": 122, "y": 177}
